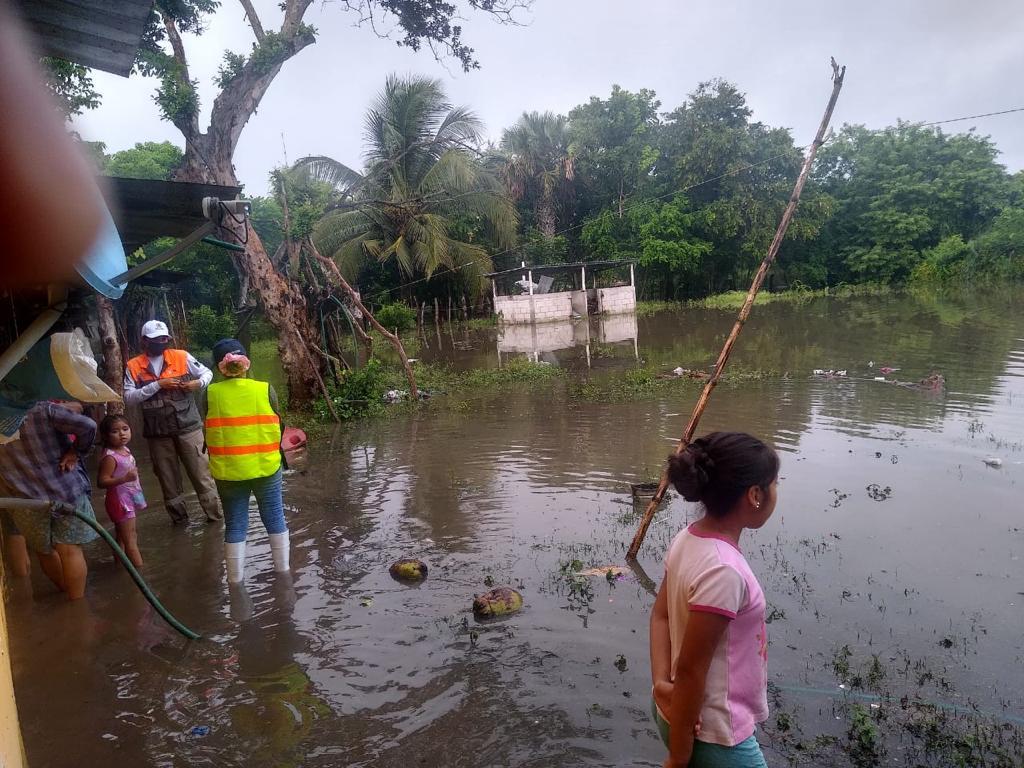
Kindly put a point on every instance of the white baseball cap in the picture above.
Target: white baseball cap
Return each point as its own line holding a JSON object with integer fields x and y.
{"x": 154, "y": 329}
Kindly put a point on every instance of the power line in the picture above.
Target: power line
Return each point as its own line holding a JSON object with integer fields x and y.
{"x": 974, "y": 117}
{"x": 646, "y": 200}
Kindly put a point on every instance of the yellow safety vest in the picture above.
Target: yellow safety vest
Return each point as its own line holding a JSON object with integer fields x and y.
{"x": 243, "y": 434}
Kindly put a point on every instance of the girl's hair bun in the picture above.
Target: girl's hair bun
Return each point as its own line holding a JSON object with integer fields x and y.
{"x": 691, "y": 471}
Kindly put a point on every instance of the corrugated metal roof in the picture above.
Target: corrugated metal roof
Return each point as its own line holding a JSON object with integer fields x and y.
{"x": 555, "y": 269}
{"x": 103, "y": 34}
{"x": 145, "y": 209}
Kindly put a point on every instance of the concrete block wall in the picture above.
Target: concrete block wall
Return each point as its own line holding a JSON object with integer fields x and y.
{"x": 618, "y": 300}
{"x": 546, "y": 307}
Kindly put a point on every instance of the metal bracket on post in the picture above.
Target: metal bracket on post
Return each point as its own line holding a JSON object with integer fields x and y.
{"x": 215, "y": 210}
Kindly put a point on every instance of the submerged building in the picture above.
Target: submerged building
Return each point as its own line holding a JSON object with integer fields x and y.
{"x": 554, "y": 292}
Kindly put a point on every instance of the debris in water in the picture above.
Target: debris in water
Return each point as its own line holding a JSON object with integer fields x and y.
{"x": 395, "y": 395}
{"x": 200, "y": 730}
{"x": 620, "y": 663}
{"x": 610, "y": 572}
{"x": 408, "y": 569}
{"x": 993, "y": 461}
{"x": 366, "y": 601}
{"x": 500, "y": 601}
{"x": 877, "y": 493}
{"x": 829, "y": 373}
{"x": 887, "y": 370}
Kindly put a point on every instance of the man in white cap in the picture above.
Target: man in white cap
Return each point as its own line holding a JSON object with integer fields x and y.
{"x": 162, "y": 381}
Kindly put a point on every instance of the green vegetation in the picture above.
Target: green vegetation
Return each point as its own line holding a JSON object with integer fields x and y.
{"x": 396, "y": 317}
{"x": 361, "y": 392}
{"x": 206, "y": 327}
{"x": 424, "y": 202}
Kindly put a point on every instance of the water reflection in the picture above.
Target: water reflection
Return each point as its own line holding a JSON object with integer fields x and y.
{"x": 350, "y": 668}
{"x": 540, "y": 341}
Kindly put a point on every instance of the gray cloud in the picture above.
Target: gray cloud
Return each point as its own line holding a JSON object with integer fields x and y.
{"x": 918, "y": 60}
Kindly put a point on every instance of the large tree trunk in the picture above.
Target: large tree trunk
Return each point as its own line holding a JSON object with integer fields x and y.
{"x": 208, "y": 158}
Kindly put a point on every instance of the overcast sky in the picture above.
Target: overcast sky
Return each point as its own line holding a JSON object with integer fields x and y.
{"x": 919, "y": 60}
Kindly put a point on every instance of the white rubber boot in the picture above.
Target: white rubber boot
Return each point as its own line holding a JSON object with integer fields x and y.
{"x": 279, "y": 549}
{"x": 240, "y": 602}
{"x": 234, "y": 558}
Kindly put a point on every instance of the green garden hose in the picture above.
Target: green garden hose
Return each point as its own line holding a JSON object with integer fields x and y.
{"x": 49, "y": 507}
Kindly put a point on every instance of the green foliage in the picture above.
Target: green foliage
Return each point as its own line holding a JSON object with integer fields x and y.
{"x": 424, "y": 202}
{"x": 537, "y": 163}
{"x": 615, "y": 143}
{"x": 537, "y": 249}
{"x": 901, "y": 191}
{"x": 146, "y": 160}
{"x": 396, "y": 316}
{"x": 72, "y": 85}
{"x": 268, "y": 220}
{"x": 207, "y": 327}
{"x": 866, "y": 747}
{"x": 176, "y": 97}
{"x": 360, "y": 393}
{"x": 229, "y": 69}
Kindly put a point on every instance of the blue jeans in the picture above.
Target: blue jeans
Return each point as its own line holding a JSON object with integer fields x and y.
{"x": 234, "y": 497}
{"x": 746, "y": 754}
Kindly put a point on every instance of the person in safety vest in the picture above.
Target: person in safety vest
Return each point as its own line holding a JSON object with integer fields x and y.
{"x": 162, "y": 380}
{"x": 243, "y": 436}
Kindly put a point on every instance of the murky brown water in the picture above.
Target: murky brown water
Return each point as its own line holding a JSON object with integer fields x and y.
{"x": 345, "y": 667}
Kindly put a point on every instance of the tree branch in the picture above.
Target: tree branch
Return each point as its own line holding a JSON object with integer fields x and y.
{"x": 189, "y": 126}
{"x": 254, "y": 20}
{"x": 293, "y": 13}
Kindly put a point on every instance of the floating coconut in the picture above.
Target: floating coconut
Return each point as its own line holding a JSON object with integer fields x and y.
{"x": 408, "y": 569}
{"x": 500, "y": 601}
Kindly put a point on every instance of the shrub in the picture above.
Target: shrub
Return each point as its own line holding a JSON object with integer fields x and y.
{"x": 360, "y": 393}
{"x": 399, "y": 316}
{"x": 206, "y": 327}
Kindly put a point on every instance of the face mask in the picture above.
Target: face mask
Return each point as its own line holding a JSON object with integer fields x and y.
{"x": 155, "y": 348}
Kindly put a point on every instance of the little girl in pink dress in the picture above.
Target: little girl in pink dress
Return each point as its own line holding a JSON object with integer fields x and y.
{"x": 119, "y": 475}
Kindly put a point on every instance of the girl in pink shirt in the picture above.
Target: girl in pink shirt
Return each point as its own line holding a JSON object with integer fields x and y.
{"x": 709, "y": 643}
{"x": 120, "y": 476}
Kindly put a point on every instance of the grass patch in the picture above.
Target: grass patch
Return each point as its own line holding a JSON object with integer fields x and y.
{"x": 733, "y": 300}
{"x": 479, "y": 323}
{"x": 648, "y": 308}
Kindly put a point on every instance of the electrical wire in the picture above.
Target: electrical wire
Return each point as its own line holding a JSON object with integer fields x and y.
{"x": 644, "y": 201}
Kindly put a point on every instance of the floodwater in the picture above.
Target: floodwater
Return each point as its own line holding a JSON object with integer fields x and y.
{"x": 892, "y": 540}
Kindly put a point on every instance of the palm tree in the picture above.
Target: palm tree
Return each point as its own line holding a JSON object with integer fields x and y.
{"x": 537, "y": 162}
{"x": 422, "y": 184}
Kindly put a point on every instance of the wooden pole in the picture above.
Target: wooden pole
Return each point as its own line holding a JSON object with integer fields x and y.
{"x": 112, "y": 365}
{"x": 698, "y": 410}
{"x": 437, "y": 314}
{"x": 332, "y": 268}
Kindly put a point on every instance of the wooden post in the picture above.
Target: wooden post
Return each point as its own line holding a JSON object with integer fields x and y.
{"x": 332, "y": 268}
{"x": 723, "y": 357}
{"x": 112, "y": 366}
{"x": 449, "y": 309}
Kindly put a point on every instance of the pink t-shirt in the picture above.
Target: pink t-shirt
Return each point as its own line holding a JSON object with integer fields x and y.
{"x": 708, "y": 573}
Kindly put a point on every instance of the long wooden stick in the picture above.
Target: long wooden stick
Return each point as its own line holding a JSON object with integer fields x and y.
{"x": 395, "y": 341}
{"x": 698, "y": 410}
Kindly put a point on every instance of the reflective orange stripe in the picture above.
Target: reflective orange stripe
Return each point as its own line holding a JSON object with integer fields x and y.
{"x": 242, "y": 421}
{"x": 241, "y": 450}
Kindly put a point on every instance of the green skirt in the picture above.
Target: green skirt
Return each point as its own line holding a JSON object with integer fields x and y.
{"x": 42, "y": 530}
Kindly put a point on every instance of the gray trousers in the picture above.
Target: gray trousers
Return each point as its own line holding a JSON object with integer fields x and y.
{"x": 168, "y": 454}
